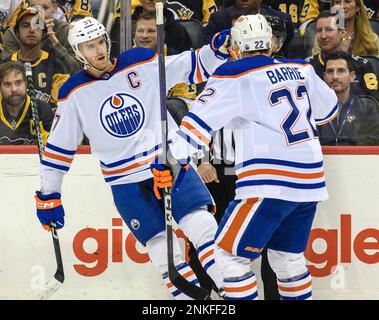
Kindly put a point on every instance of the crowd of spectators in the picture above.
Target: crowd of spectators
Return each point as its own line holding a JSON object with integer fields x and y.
{"x": 36, "y": 31}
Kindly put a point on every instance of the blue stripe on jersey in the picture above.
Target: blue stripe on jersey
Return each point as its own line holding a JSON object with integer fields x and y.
{"x": 302, "y": 297}
{"x": 205, "y": 70}
{"x": 55, "y": 166}
{"x": 251, "y": 297}
{"x": 110, "y": 179}
{"x": 193, "y": 67}
{"x": 60, "y": 150}
{"x": 249, "y": 64}
{"x": 124, "y": 60}
{"x": 280, "y": 183}
{"x": 280, "y": 162}
{"x": 205, "y": 245}
{"x": 329, "y": 115}
{"x": 285, "y": 60}
{"x": 186, "y": 137}
{"x": 132, "y": 56}
{"x": 200, "y": 122}
{"x": 138, "y": 155}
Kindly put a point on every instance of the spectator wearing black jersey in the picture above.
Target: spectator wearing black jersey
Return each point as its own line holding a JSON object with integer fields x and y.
{"x": 357, "y": 121}
{"x": 16, "y": 125}
{"x": 49, "y": 73}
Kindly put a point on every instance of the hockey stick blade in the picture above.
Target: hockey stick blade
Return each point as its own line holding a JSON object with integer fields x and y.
{"x": 45, "y": 293}
{"x": 54, "y": 284}
{"x": 185, "y": 286}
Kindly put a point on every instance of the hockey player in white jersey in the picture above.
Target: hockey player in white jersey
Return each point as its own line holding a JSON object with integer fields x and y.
{"x": 116, "y": 105}
{"x": 273, "y": 106}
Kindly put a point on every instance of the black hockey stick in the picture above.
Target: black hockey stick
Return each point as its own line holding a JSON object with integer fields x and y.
{"x": 54, "y": 284}
{"x": 175, "y": 277}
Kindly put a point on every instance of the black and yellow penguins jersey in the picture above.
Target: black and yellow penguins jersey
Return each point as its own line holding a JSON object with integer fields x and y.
{"x": 312, "y": 9}
{"x": 183, "y": 9}
{"x": 48, "y": 74}
{"x": 192, "y": 9}
{"x": 75, "y": 9}
{"x": 292, "y": 7}
{"x": 20, "y": 130}
{"x": 372, "y": 7}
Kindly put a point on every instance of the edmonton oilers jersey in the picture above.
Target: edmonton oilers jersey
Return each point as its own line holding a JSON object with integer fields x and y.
{"x": 120, "y": 112}
{"x": 273, "y": 106}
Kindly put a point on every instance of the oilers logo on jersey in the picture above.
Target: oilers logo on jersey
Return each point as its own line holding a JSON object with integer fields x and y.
{"x": 122, "y": 115}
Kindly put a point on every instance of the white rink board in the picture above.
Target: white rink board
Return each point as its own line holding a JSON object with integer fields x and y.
{"x": 27, "y": 254}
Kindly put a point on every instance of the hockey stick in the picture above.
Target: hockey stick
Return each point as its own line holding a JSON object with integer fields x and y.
{"x": 175, "y": 277}
{"x": 54, "y": 284}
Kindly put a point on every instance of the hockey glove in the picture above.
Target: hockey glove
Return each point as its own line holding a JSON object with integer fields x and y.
{"x": 220, "y": 44}
{"x": 163, "y": 176}
{"x": 50, "y": 210}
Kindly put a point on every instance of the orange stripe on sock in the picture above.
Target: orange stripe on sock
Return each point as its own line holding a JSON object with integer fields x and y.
{"x": 241, "y": 289}
{"x": 227, "y": 241}
{"x": 298, "y": 288}
{"x": 209, "y": 253}
{"x": 57, "y": 157}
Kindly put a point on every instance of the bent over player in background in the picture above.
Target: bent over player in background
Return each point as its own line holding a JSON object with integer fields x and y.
{"x": 116, "y": 105}
{"x": 273, "y": 106}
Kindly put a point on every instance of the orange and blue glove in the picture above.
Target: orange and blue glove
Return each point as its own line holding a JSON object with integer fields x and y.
{"x": 220, "y": 44}
{"x": 163, "y": 177}
{"x": 50, "y": 210}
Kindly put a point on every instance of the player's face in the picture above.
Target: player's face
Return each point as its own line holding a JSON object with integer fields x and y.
{"x": 328, "y": 36}
{"x": 48, "y": 7}
{"x": 29, "y": 34}
{"x": 146, "y": 34}
{"x": 13, "y": 88}
{"x": 149, "y": 5}
{"x": 349, "y": 6}
{"x": 338, "y": 76}
{"x": 96, "y": 52}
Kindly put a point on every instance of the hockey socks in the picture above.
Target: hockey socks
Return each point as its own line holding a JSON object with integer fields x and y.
{"x": 185, "y": 270}
{"x": 297, "y": 288}
{"x": 241, "y": 288}
{"x": 206, "y": 258}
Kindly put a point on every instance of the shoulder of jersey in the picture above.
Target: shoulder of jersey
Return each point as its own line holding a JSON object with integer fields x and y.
{"x": 133, "y": 57}
{"x": 235, "y": 69}
{"x": 125, "y": 60}
{"x": 359, "y": 59}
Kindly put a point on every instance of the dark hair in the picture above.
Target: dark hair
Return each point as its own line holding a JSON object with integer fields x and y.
{"x": 328, "y": 14}
{"x": 26, "y": 11}
{"x": 9, "y": 66}
{"x": 146, "y": 16}
{"x": 341, "y": 55}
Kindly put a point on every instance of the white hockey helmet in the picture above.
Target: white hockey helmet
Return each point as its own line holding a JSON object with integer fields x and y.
{"x": 250, "y": 33}
{"x": 83, "y": 30}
